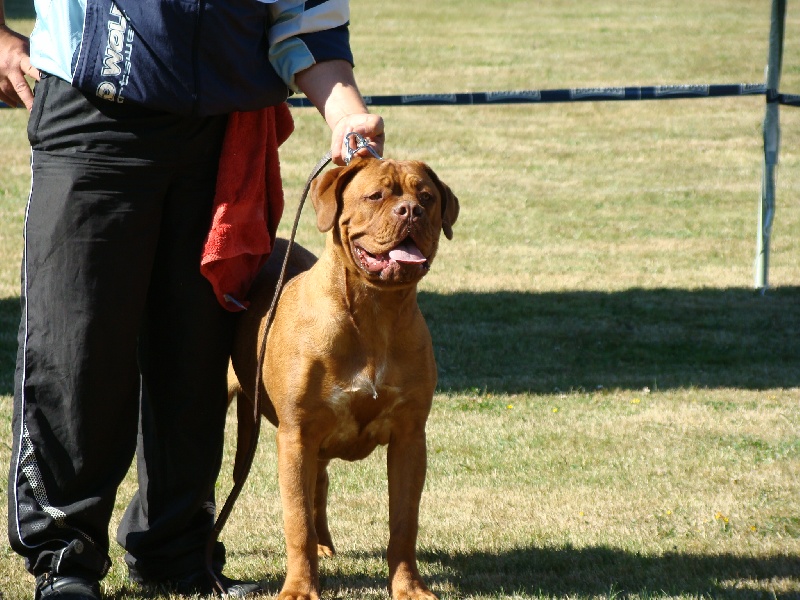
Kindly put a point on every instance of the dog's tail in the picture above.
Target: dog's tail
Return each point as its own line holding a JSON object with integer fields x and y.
{"x": 234, "y": 387}
{"x": 245, "y": 427}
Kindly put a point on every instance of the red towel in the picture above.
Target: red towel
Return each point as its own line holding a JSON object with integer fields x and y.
{"x": 248, "y": 203}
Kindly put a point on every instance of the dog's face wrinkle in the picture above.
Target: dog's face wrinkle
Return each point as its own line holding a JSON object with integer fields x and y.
{"x": 383, "y": 230}
{"x": 384, "y": 238}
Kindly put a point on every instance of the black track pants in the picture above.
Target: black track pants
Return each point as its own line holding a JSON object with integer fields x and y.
{"x": 123, "y": 347}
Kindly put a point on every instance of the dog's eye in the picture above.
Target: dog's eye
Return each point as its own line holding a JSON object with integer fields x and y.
{"x": 425, "y": 197}
{"x": 376, "y": 196}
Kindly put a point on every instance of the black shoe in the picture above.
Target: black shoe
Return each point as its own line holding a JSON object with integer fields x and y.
{"x": 200, "y": 583}
{"x": 65, "y": 587}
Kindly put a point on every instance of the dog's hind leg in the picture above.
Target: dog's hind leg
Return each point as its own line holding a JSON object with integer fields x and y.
{"x": 324, "y": 540}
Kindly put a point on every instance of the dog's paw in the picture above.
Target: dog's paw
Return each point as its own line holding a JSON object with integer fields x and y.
{"x": 325, "y": 550}
{"x": 293, "y": 595}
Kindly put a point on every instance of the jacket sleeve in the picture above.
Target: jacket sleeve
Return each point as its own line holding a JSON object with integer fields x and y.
{"x": 302, "y": 34}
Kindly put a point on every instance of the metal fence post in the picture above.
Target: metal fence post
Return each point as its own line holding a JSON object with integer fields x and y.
{"x": 772, "y": 134}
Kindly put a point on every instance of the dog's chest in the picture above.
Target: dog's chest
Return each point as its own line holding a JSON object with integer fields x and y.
{"x": 365, "y": 407}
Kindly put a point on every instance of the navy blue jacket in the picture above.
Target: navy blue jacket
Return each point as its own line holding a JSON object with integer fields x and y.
{"x": 200, "y": 57}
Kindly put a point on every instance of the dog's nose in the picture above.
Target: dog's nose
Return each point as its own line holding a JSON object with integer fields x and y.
{"x": 408, "y": 210}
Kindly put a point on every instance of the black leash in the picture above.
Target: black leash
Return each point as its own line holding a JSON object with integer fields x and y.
{"x": 239, "y": 482}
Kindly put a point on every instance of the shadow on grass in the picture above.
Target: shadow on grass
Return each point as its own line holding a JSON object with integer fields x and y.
{"x": 606, "y": 572}
{"x": 270, "y": 588}
{"x": 661, "y": 339}
{"x": 526, "y": 342}
{"x": 594, "y": 572}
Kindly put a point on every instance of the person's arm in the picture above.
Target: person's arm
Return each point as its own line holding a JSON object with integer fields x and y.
{"x": 331, "y": 87}
{"x": 310, "y": 51}
{"x": 15, "y": 63}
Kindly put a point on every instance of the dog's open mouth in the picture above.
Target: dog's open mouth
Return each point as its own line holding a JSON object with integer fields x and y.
{"x": 405, "y": 253}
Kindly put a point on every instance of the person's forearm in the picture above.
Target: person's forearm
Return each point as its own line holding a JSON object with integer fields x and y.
{"x": 331, "y": 87}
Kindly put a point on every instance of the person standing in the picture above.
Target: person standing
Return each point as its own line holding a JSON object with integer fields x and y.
{"x": 123, "y": 346}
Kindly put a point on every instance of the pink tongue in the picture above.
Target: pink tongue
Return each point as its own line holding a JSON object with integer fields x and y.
{"x": 407, "y": 253}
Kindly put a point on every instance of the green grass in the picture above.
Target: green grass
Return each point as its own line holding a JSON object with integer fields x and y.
{"x": 618, "y": 412}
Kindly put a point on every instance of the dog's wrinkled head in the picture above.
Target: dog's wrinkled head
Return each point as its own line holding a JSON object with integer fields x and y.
{"x": 386, "y": 216}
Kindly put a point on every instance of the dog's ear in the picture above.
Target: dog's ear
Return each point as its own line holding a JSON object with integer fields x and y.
{"x": 324, "y": 197}
{"x": 450, "y": 204}
{"x": 327, "y": 189}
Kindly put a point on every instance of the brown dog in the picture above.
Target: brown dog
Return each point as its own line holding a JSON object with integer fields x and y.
{"x": 349, "y": 362}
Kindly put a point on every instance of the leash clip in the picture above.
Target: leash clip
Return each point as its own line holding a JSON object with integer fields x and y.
{"x": 349, "y": 151}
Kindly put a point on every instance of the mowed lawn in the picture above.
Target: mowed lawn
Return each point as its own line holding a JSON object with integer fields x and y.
{"x": 618, "y": 413}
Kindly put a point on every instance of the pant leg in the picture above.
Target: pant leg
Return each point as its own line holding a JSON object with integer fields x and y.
{"x": 184, "y": 352}
{"x": 85, "y": 270}
{"x": 103, "y": 177}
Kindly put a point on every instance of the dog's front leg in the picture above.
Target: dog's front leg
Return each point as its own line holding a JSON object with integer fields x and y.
{"x": 297, "y": 473}
{"x": 407, "y": 463}
{"x": 324, "y": 539}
